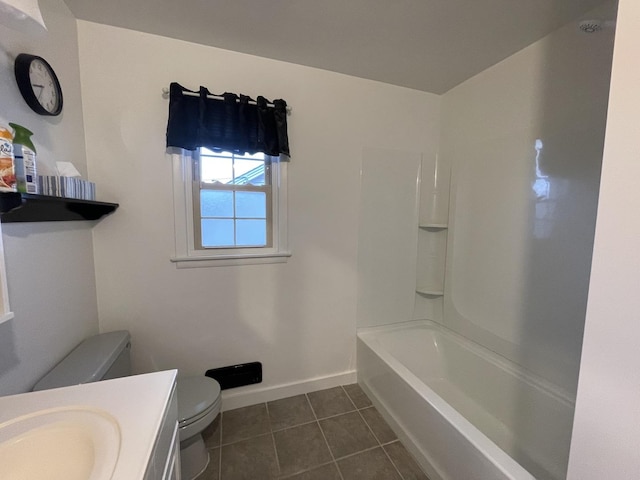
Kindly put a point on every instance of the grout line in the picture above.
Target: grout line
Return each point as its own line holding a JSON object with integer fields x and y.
{"x": 393, "y": 463}
{"x": 251, "y": 436}
{"x": 390, "y": 442}
{"x": 220, "y": 453}
{"x": 244, "y": 439}
{"x": 330, "y": 416}
{"x": 353, "y": 401}
{"x": 294, "y": 426}
{"x": 325, "y": 439}
{"x": 370, "y": 429}
{"x": 219, "y": 461}
{"x": 333, "y": 388}
{"x": 273, "y": 439}
{"x": 350, "y": 399}
{"x": 308, "y": 470}
{"x": 374, "y": 434}
{"x": 358, "y": 452}
{"x": 315, "y": 419}
{"x": 380, "y": 444}
{"x": 336, "y": 415}
{"x": 313, "y": 410}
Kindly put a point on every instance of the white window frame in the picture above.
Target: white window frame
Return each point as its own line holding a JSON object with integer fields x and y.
{"x": 188, "y": 256}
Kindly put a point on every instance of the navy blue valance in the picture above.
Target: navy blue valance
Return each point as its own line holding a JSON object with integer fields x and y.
{"x": 233, "y": 123}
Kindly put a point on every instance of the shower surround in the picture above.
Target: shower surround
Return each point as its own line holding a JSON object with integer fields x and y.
{"x": 523, "y": 141}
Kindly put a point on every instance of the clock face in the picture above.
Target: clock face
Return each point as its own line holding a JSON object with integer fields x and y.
{"x": 38, "y": 84}
{"x": 43, "y": 85}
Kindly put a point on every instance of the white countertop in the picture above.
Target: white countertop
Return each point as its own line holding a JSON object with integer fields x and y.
{"x": 137, "y": 402}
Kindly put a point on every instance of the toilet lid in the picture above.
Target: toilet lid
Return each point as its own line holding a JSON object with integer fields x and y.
{"x": 195, "y": 395}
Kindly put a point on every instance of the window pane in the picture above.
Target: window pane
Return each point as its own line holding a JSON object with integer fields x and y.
{"x": 206, "y": 151}
{"x": 214, "y": 203}
{"x": 249, "y": 172}
{"x": 216, "y": 169}
{"x": 255, "y": 156}
{"x": 251, "y": 204}
{"x": 251, "y": 232}
{"x": 217, "y": 233}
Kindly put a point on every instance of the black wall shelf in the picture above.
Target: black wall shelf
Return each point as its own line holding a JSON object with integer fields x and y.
{"x": 27, "y": 207}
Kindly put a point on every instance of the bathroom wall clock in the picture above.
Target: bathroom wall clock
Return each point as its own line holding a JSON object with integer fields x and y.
{"x": 38, "y": 84}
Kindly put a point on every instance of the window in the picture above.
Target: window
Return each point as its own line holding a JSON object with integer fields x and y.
{"x": 232, "y": 200}
{"x": 230, "y": 209}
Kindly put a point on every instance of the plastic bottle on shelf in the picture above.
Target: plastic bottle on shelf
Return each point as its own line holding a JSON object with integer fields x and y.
{"x": 24, "y": 154}
{"x": 7, "y": 171}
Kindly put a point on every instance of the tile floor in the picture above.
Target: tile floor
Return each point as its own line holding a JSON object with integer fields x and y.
{"x": 333, "y": 434}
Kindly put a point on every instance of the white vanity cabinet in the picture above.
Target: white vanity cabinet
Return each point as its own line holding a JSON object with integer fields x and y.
{"x": 120, "y": 429}
{"x": 164, "y": 463}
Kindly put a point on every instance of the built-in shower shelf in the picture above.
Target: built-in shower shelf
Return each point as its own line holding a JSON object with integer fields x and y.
{"x": 432, "y": 292}
{"x": 434, "y": 226}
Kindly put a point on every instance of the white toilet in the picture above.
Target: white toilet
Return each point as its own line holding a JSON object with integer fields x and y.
{"x": 107, "y": 355}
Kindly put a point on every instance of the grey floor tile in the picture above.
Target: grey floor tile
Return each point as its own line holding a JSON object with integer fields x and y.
{"x": 211, "y": 434}
{"x": 252, "y": 459}
{"x": 332, "y": 401}
{"x": 213, "y": 469}
{"x": 404, "y": 462}
{"x": 300, "y": 448}
{"x": 347, "y": 434}
{"x": 357, "y": 395}
{"x": 378, "y": 425}
{"x": 370, "y": 465}
{"x": 289, "y": 412}
{"x": 243, "y": 423}
{"x": 326, "y": 472}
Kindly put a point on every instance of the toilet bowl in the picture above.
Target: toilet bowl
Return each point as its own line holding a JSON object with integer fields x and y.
{"x": 198, "y": 406}
{"x": 107, "y": 356}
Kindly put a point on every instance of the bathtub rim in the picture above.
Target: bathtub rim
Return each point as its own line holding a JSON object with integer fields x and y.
{"x": 530, "y": 378}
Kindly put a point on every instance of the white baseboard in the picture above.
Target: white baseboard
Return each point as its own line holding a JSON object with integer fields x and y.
{"x": 253, "y": 394}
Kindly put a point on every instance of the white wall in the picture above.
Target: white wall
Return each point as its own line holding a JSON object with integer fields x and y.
{"x": 49, "y": 265}
{"x": 297, "y": 318}
{"x": 606, "y": 430}
{"x": 525, "y": 141}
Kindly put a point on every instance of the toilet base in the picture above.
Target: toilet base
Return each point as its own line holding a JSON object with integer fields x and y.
{"x": 194, "y": 457}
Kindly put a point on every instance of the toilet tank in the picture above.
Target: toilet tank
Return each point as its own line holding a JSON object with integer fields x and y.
{"x": 100, "y": 357}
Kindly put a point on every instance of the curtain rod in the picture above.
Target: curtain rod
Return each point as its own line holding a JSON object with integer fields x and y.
{"x": 165, "y": 95}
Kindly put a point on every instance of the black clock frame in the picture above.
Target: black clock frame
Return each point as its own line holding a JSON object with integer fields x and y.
{"x": 21, "y": 69}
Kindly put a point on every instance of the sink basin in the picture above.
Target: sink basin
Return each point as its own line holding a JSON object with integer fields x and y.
{"x": 72, "y": 443}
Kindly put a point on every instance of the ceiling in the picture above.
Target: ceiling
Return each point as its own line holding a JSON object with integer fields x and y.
{"x": 430, "y": 45}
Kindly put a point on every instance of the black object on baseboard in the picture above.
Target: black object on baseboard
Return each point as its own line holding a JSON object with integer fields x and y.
{"x": 237, "y": 375}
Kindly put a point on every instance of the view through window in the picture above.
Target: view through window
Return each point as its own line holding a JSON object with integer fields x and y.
{"x": 233, "y": 205}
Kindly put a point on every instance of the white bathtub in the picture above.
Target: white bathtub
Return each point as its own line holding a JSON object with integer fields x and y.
{"x": 465, "y": 412}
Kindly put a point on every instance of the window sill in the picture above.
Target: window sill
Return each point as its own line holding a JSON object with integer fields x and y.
{"x": 230, "y": 260}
